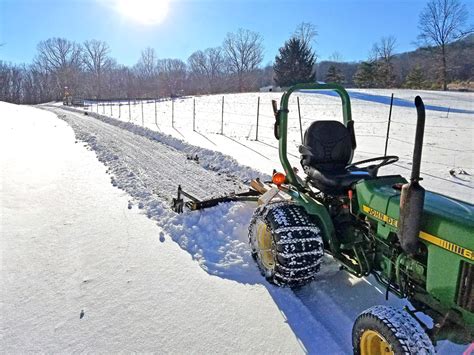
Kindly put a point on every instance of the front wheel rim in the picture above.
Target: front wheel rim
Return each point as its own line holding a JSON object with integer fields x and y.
{"x": 373, "y": 343}
{"x": 264, "y": 244}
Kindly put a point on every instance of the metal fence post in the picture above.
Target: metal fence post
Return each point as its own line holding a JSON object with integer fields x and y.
{"x": 103, "y": 108}
{"x": 143, "y": 120}
{"x": 258, "y": 115}
{"x": 97, "y": 103}
{"x": 111, "y": 113}
{"x": 222, "y": 117}
{"x": 120, "y": 105}
{"x": 388, "y": 126}
{"x": 172, "y": 112}
{"x": 156, "y": 115}
{"x": 194, "y": 114}
{"x": 299, "y": 115}
{"x": 129, "y": 112}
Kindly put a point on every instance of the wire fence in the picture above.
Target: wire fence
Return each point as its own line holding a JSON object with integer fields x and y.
{"x": 448, "y": 141}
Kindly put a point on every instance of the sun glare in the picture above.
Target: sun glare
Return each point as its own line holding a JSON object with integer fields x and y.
{"x": 147, "y": 12}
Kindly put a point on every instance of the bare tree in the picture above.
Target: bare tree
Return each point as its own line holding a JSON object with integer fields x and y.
{"x": 336, "y": 57}
{"x": 385, "y": 48}
{"x": 63, "y": 59}
{"x": 207, "y": 69}
{"x": 306, "y": 32}
{"x": 172, "y": 77}
{"x": 148, "y": 64}
{"x": 244, "y": 53}
{"x": 382, "y": 56}
{"x": 147, "y": 71}
{"x": 442, "y": 22}
{"x": 11, "y": 82}
{"x": 97, "y": 61}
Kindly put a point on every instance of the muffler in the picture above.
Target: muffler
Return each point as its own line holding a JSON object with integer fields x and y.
{"x": 413, "y": 195}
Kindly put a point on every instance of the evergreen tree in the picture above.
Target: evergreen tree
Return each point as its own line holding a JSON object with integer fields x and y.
{"x": 415, "y": 78}
{"x": 365, "y": 76}
{"x": 334, "y": 75}
{"x": 294, "y": 64}
{"x": 384, "y": 75}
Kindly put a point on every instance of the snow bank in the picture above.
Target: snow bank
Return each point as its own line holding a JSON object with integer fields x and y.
{"x": 217, "y": 237}
{"x": 209, "y": 159}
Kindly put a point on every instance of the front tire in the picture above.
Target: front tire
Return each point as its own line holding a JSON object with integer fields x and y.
{"x": 286, "y": 244}
{"x": 386, "y": 330}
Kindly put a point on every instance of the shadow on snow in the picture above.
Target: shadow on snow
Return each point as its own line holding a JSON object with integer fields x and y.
{"x": 381, "y": 99}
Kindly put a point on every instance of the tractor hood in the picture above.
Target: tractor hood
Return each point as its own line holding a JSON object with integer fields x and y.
{"x": 446, "y": 222}
{"x": 450, "y": 220}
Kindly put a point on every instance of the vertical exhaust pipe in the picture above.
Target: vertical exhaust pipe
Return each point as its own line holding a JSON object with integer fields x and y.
{"x": 413, "y": 195}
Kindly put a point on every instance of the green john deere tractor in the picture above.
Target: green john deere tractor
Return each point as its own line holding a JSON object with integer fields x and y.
{"x": 419, "y": 245}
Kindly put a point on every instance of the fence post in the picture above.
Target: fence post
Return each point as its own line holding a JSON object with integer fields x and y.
{"x": 172, "y": 112}
{"x": 299, "y": 115}
{"x": 97, "y": 103}
{"x": 156, "y": 115}
{"x": 194, "y": 114}
{"x": 388, "y": 126}
{"x": 111, "y": 113}
{"x": 103, "y": 108}
{"x": 258, "y": 115}
{"x": 129, "y": 112}
{"x": 143, "y": 120}
{"x": 120, "y": 105}
{"x": 222, "y": 117}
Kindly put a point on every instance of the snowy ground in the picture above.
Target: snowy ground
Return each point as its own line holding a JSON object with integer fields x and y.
{"x": 71, "y": 246}
{"x": 74, "y": 245}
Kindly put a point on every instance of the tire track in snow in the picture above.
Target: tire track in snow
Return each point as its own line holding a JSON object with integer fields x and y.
{"x": 159, "y": 165}
{"x": 150, "y": 172}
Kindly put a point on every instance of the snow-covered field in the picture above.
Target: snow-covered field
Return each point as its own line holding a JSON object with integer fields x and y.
{"x": 84, "y": 270}
{"x": 448, "y": 142}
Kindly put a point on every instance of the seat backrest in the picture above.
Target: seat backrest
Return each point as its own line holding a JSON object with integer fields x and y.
{"x": 327, "y": 146}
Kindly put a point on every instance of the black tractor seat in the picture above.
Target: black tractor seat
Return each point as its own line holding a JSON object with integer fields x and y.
{"x": 327, "y": 149}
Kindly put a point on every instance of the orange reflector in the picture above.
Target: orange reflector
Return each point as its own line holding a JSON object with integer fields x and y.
{"x": 278, "y": 178}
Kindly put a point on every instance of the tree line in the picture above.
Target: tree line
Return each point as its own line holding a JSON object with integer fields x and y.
{"x": 446, "y": 49}
{"x": 87, "y": 69}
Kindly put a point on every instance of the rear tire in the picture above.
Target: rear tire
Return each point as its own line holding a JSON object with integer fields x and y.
{"x": 387, "y": 330}
{"x": 286, "y": 244}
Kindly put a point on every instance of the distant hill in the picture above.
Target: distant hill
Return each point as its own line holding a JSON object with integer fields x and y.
{"x": 460, "y": 65}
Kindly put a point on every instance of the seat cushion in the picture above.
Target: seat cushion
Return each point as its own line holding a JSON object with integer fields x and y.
{"x": 327, "y": 146}
{"x": 336, "y": 183}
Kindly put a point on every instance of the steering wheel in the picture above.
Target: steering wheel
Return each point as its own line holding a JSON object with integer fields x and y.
{"x": 373, "y": 168}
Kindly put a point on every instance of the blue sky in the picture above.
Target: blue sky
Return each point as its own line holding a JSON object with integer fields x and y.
{"x": 349, "y": 27}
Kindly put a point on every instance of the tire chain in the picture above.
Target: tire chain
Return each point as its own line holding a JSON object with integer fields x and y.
{"x": 298, "y": 246}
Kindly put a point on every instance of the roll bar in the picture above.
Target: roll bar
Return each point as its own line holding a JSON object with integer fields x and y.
{"x": 281, "y": 119}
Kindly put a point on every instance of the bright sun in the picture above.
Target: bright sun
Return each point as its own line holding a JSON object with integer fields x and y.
{"x": 147, "y": 12}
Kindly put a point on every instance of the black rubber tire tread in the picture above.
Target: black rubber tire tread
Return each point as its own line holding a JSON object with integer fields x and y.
{"x": 400, "y": 329}
{"x": 297, "y": 243}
